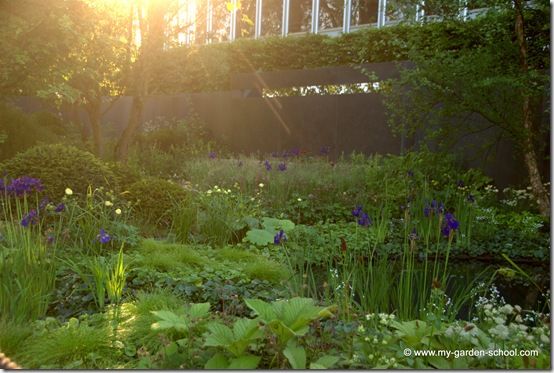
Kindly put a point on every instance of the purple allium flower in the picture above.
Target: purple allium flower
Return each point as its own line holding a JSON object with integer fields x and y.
{"x": 23, "y": 185}
{"x": 103, "y": 237}
{"x": 60, "y": 207}
{"x": 450, "y": 224}
{"x": 356, "y": 212}
{"x": 267, "y": 165}
{"x": 364, "y": 220}
{"x": 30, "y": 219}
{"x": 282, "y": 166}
{"x": 279, "y": 237}
{"x": 212, "y": 155}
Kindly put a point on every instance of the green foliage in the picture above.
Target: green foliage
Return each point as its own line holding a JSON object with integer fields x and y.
{"x": 103, "y": 277}
{"x": 59, "y": 167}
{"x": 153, "y": 200}
{"x": 271, "y": 227}
{"x": 168, "y": 257}
{"x": 13, "y": 336}
{"x": 137, "y": 329}
{"x": 70, "y": 346}
{"x": 27, "y": 263}
{"x": 288, "y": 318}
{"x": 22, "y": 131}
{"x": 209, "y": 68}
{"x": 163, "y": 147}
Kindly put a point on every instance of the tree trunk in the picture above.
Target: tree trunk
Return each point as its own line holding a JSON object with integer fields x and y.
{"x": 93, "y": 110}
{"x": 122, "y": 147}
{"x": 530, "y": 155}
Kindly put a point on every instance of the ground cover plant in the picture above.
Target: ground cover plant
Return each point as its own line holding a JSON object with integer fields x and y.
{"x": 200, "y": 271}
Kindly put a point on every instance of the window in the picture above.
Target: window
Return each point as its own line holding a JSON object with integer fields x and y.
{"x": 272, "y": 17}
{"x": 364, "y": 12}
{"x": 221, "y": 21}
{"x": 246, "y": 16}
{"x": 330, "y": 14}
{"x": 300, "y": 16}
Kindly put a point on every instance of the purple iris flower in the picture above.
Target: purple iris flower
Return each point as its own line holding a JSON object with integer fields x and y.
{"x": 267, "y": 165}
{"x": 60, "y": 207}
{"x": 279, "y": 237}
{"x": 295, "y": 152}
{"x": 356, "y": 212}
{"x": 23, "y": 185}
{"x": 450, "y": 224}
{"x": 282, "y": 166}
{"x": 30, "y": 219}
{"x": 43, "y": 203}
{"x": 364, "y": 220}
{"x": 103, "y": 237}
{"x": 212, "y": 155}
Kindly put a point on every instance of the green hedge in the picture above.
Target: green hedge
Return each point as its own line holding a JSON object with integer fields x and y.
{"x": 209, "y": 67}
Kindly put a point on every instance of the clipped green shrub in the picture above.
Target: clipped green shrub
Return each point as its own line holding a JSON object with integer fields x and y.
{"x": 153, "y": 200}
{"x": 59, "y": 167}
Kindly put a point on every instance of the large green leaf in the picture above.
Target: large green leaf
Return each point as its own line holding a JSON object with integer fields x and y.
{"x": 220, "y": 335}
{"x": 198, "y": 310}
{"x": 296, "y": 356}
{"x": 169, "y": 320}
{"x": 272, "y": 224}
{"x": 245, "y": 362}
{"x": 218, "y": 361}
{"x": 262, "y": 309}
{"x": 324, "y": 362}
{"x": 260, "y": 237}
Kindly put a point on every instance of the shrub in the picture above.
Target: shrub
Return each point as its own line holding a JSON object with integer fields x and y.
{"x": 23, "y": 131}
{"x": 59, "y": 167}
{"x": 154, "y": 199}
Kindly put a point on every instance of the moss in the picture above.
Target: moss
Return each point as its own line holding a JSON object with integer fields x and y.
{"x": 266, "y": 270}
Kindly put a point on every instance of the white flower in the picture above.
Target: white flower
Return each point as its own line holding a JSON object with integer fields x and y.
{"x": 108, "y": 203}
{"x": 500, "y": 330}
{"x": 261, "y": 185}
{"x": 544, "y": 338}
{"x": 299, "y": 199}
{"x": 499, "y": 320}
{"x": 68, "y": 191}
{"x": 506, "y": 309}
{"x": 118, "y": 211}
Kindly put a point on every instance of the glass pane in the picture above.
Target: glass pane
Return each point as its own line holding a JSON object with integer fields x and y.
{"x": 221, "y": 21}
{"x": 300, "y": 15}
{"x": 330, "y": 13}
{"x": 364, "y": 12}
{"x": 200, "y": 22}
{"x": 272, "y": 17}
{"x": 246, "y": 16}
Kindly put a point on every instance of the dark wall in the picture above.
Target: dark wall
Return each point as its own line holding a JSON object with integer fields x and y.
{"x": 248, "y": 123}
